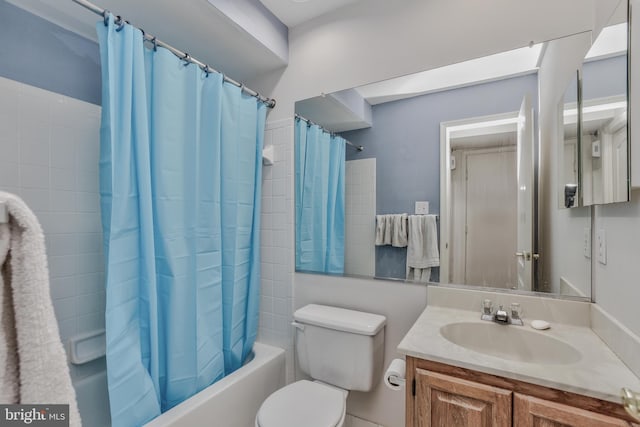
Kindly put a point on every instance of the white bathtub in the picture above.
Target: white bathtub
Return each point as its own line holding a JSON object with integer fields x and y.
{"x": 234, "y": 400}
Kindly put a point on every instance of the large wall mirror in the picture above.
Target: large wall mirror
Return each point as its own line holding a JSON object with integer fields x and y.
{"x": 440, "y": 175}
{"x": 596, "y": 151}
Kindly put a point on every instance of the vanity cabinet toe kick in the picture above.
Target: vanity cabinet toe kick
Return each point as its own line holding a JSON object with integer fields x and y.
{"x": 441, "y": 395}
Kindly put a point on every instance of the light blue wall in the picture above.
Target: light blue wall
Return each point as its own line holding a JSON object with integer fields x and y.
{"x": 36, "y": 52}
{"x": 604, "y": 78}
{"x": 405, "y": 140}
{"x": 600, "y": 79}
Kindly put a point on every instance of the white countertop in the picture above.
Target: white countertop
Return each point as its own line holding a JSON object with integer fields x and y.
{"x": 599, "y": 373}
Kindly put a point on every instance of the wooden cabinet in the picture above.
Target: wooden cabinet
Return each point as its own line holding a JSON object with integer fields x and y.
{"x": 529, "y": 411}
{"x": 448, "y": 402}
{"x": 440, "y": 395}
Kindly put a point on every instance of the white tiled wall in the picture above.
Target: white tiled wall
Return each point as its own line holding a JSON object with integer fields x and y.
{"x": 49, "y": 146}
{"x": 277, "y": 242}
{"x": 360, "y": 214}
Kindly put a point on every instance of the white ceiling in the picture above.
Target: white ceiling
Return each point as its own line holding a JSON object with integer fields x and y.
{"x": 295, "y": 12}
{"x": 488, "y": 68}
{"x": 611, "y": 41}
{"x": 193, "y": 26}
{"x": 331, "y": 114}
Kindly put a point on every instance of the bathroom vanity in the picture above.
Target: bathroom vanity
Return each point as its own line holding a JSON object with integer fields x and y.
{"x": 464, "y": 371}
{"x": 446, "y": 395}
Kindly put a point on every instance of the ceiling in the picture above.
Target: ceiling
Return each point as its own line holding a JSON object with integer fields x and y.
{"x": 195, "y": 27}
{"x": 488, "y": 68}
{"x": 295, "y": 12}
{"x": 331, "y": 114}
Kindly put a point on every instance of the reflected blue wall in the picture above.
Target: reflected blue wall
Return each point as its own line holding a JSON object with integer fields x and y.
{"x": 405, "y": 140}
{"x": 597, "y": 81}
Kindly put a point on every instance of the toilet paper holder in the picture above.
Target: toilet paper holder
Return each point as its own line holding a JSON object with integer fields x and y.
{"x": 394, "y": 377}
{"x": 396, "y": 380}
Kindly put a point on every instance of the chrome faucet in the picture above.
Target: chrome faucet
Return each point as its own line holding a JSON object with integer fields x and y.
{"x": 487, "y": 310}
{"x": 516, "y": 314}
{"x": 501, "y": 315}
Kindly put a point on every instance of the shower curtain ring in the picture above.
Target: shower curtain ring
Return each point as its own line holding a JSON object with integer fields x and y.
{"x": 105, "y": 17}
{"x": 120, "y": 23}
{"x": 206, "y": 70}
{"x": 154, "y": 41}
{"x": 187, "y": 59}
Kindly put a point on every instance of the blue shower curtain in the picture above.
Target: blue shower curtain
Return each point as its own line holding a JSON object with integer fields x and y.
{"x": 319, "y": 165}
{"x": 180, "y": 180}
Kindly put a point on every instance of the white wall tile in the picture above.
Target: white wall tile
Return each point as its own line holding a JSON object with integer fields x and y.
{"x": 63, "y": 179}
{"x": 36, "y": 198}
{"x": 63, "y": 201}
{"x": 277, "y": 244}
{"x": 9, "y": 172}
{"x": 34, "y": 176}
{"x": 360, "y": 212}
{"x": 34, "y": 143}
{"x": 49, "y": 157}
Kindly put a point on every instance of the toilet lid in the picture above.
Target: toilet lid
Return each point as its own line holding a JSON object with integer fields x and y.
{"x": 303, "y": 403}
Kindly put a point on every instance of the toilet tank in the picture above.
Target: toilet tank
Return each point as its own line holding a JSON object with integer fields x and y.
{"x": 341, "y": 347}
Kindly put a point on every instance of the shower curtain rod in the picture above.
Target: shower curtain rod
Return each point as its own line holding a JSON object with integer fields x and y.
{"x": 304, "y": 119}
{"x": 270, "y": 102}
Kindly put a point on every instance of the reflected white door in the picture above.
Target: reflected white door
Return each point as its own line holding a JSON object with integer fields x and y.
{"x": 490, "y": 217}
{"x": 524, "y": 254}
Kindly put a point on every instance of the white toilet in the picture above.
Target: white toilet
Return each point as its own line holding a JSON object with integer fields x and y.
{"x": 341, "y": 350}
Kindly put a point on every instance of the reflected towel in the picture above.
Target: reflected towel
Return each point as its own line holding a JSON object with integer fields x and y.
{"x": 388, "y": 229}
{"x": 399, "y": 236}
{"x": 422, "y": 250}
{"x": 380, "y": 228}
{"x": 33, "y": 360}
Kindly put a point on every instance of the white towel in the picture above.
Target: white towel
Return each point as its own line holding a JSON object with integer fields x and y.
{"x": 32, "y": 359}
{"x": 380, "y": 228}
{"x": 399, "y": 237}
{"x": 388, "y": 229}
{"x": 422, "y": 250}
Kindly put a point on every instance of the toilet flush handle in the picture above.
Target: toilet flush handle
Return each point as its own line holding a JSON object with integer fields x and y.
{"x": 298, "y": 325}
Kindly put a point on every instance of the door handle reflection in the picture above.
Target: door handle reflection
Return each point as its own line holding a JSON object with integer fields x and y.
{"x": 526, "y": 255}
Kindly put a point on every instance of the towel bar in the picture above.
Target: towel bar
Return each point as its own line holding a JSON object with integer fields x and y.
{"x": 4, "y": 213}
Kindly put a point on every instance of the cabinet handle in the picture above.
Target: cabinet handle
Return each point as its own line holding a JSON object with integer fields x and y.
{"x": 631, "y": 402}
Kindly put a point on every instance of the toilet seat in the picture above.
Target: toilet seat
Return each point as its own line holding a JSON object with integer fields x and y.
{"x": 303, "y": 403}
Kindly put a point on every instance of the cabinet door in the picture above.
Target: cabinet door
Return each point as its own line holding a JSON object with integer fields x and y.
{"x": 444, "y": 401}
{"x": 533, "y": 412}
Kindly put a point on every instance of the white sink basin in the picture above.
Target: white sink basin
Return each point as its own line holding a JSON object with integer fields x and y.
{"x": 510, "y": 342}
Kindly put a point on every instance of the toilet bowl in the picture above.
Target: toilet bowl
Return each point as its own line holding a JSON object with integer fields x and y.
{"x": 341, "y": 350}
{"x": 304, "y": 403}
